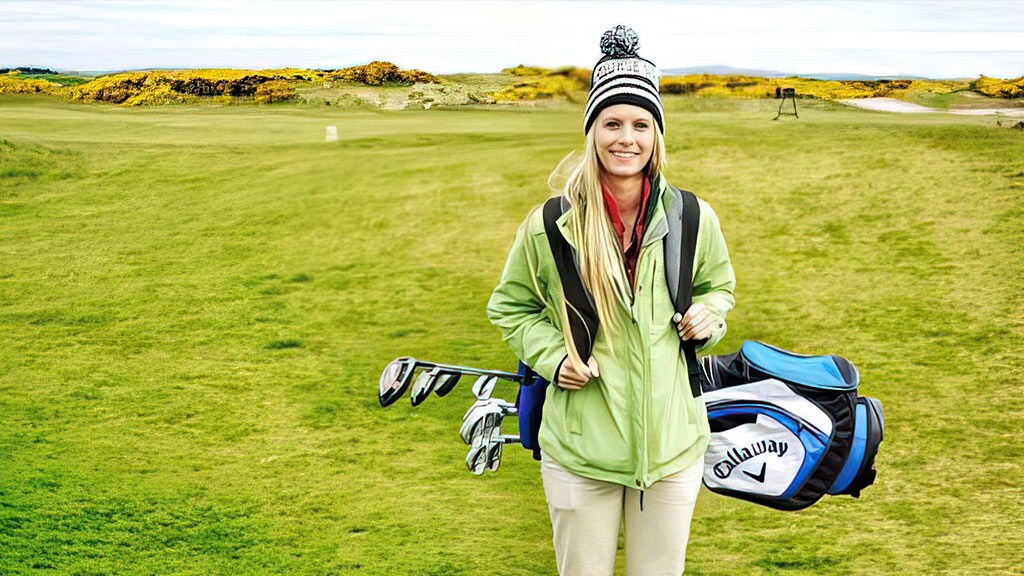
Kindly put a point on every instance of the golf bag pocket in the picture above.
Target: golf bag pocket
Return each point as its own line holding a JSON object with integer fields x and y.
{"x": 530, "y": 403}
{"x": 760, "y": 450}
{"x": 858, "y": 472}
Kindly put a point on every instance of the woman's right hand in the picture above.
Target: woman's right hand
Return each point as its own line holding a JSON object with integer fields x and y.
{"x": 570, "y": 379}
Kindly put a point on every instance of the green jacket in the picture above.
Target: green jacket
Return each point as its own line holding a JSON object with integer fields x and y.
{"x": 638, "y": 422}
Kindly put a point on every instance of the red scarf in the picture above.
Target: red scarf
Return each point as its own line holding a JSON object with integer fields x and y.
{"x": 631, "y": 254}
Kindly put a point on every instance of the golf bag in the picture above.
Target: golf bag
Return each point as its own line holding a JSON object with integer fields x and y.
{"x": 786, "y": 429}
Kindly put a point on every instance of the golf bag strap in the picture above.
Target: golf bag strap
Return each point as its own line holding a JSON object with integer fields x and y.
{"x": 583, "y": 319}
{"x": 690, "y": 225}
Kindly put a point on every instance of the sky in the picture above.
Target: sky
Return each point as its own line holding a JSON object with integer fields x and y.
{"x": 927, "y": 38}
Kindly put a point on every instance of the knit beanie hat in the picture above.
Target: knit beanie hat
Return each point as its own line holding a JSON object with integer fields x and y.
{"x": 622, "y": 77}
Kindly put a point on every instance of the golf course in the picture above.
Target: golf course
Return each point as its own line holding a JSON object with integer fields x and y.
{"x": 197, "y": 301}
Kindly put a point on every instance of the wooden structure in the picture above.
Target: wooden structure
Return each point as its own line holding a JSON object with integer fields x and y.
{"x": 787, "y": 94}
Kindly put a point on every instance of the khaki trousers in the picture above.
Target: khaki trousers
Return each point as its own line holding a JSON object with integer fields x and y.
{"x": 586, "y": 515}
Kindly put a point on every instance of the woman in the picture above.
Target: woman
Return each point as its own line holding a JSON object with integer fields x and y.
{"x": 622, "y": 434}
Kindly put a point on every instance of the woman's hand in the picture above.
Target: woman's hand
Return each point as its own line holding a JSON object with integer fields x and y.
{"x": 696, "y": 323}
{"x": 570, "y": 379}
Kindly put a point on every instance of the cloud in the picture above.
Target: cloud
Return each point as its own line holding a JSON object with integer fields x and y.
{"x": 928, "y": 38}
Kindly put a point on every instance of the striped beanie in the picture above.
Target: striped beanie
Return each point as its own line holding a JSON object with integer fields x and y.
{"x": 622, "y": 77}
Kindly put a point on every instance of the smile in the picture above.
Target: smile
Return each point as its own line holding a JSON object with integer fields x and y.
{"x": 625, "y": 154}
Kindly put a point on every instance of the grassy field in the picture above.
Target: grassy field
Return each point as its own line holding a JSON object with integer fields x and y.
{"x": 196, "y": 303}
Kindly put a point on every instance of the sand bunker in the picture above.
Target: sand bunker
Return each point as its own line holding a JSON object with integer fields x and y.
{"x": 1010, "y": 112}
{"x": 887, "y": 105}
{"x": 894, "y": 105}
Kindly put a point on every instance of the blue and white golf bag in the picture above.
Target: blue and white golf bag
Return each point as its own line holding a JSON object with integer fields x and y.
{"x": 787, "y": 429}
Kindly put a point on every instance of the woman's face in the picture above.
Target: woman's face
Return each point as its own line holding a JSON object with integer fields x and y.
{"x": 624, "y": 135}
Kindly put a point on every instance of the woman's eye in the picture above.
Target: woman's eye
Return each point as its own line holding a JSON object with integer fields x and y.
{"x": 611, "y": 125}
{"x": 641, "y": 125}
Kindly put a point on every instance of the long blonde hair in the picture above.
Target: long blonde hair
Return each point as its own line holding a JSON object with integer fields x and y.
{"x": 597, "y": 247}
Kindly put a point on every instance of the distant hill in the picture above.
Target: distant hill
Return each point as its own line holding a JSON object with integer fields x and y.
{"x": 28, "y": 70}
{"x": 721, "y": 70}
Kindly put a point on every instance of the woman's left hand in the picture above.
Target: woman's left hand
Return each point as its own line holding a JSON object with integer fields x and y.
{"x": 695, "y": 324}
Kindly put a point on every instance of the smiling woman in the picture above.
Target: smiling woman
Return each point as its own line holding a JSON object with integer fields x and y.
{"x": 623, "y": 434}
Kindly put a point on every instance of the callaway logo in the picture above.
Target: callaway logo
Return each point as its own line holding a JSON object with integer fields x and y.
{"x": 760, "y": 475}
{"x": 736, "y": 457}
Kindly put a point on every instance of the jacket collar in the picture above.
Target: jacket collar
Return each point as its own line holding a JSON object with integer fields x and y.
{"x": 656, "y": 227}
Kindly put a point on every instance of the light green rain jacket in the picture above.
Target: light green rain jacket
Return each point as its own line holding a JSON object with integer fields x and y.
{"x": 637, "y": 422}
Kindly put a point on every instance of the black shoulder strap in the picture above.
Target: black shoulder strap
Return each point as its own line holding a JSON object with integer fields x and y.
{"x": 684, "y": 289}
{"x": 583, "y": 319}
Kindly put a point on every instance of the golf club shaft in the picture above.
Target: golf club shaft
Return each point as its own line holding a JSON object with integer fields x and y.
{"x": 423, "y": 364}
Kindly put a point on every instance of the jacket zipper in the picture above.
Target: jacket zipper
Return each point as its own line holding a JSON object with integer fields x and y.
{"x": 645, "y": 389}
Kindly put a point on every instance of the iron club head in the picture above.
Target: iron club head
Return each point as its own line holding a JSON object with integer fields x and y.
{"x": 484, "y": 386}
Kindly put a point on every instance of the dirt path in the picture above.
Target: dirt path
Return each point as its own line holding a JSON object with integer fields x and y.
{"x": 894, "y": 105}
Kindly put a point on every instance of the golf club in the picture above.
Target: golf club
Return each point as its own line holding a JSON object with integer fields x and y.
{"x": 485, "y": 453}
{"x": 484, "y": 386}
{"x": 424, "y": 385}
{"x": 394, "y": 380}
{"x": 397, "y": 375}
{"x": 479, "y": 413}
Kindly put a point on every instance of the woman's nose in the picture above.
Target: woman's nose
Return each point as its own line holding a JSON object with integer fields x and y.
{"x": 626, "y": 136}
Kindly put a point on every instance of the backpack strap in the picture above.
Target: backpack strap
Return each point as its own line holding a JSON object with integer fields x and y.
{"x": 583, "y": 319}
{"x": 689, "y": 226}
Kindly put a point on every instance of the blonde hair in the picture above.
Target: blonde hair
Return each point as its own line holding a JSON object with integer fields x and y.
{"x": 597, "y": 248}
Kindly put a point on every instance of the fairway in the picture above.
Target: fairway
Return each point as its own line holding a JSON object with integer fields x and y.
{"x": 196, "y": 304}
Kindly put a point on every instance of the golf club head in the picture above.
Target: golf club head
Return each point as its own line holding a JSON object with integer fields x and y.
{"x": 446, "y": 383}
{"x": 484, "y": 386}
{"x": 476, "y": 416}
{"x": 394, "y": 380}
{"x": 485, "y": 445}
{"x": 494, "y": 444}
{"x": 423, "y": 386}
{"x": 476, "y": 459}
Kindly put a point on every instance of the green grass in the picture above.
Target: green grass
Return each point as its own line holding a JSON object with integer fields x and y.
{"x": 964, "y": 100}
{"x": 62, "y": 79}
{"x": 196, "y": 303}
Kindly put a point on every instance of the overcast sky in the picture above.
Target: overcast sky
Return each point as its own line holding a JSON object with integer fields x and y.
{"x": 936, "y": 39}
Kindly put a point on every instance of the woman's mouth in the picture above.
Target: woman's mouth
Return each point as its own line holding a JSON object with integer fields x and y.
{"x": 625, "y": 155}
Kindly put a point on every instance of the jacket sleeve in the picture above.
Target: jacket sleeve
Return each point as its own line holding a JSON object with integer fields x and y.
{"x": 714, "y": 281}
{"x": 518, "y": 309}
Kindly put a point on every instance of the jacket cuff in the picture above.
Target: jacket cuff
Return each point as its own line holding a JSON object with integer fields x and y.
{"x": 554, "y": 379}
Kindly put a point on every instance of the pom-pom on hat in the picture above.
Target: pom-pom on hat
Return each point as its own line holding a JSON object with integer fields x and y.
{"x": 622, "y": 77}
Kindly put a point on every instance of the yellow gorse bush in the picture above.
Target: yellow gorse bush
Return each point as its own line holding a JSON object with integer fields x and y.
{"x": 12, "y": 84}
{"x": 264, "y": 86}
{"x": 138, "y": 88}
{"x": 274, "y": 91}
{"x": 756, "y": 87}
{"x": 541, "y": 83}
{"x": 998, "y": 88}
{"x": 380, "y": 72}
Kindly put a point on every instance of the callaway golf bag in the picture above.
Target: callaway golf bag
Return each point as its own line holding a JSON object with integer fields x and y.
{"x": 787, "y": 429}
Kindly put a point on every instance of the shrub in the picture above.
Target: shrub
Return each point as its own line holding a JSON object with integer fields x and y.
{"x": 998, "y": 88}
{"x": 565, "y": 82}
{"x": 379, "y": 72}
{"x": 274, "y": 91}
{"x": 137, "y": 88}
{"x": 12, "y": 84}
{"x": 754, "y": 87}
